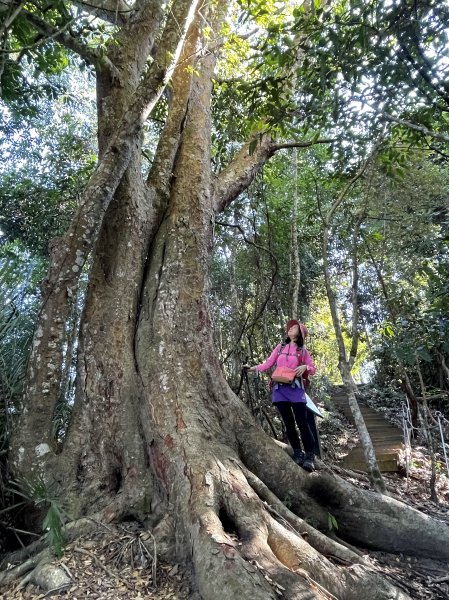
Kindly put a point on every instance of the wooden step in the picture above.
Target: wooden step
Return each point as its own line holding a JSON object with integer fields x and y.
{"x": 385, "y": 466}
{"x": 381, "y": 451}
{"x": 386, "y": 438}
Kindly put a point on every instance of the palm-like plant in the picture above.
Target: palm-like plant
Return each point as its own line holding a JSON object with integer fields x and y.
{"x": 18, "y": 305}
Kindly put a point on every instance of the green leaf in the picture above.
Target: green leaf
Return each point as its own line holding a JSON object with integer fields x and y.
{"x": 253, "y": 146}
{"x": 53, "y": 524}
{"x": 388, "y": 331}
{"x": 331, "y": 522}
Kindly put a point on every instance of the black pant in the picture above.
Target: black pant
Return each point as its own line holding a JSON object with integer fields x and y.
{"x": 291, "y": 411}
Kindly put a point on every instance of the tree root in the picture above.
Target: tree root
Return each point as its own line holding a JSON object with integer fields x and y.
{"x": 379, "y": 521}
{"x": 70, "y": 531}
{"x": 24, "y": 568}
{"x": 241, "y": 549}
{"x": 331, "y": 548}
{"x": 363, "y": 517}
{"x": 244, "y": 542}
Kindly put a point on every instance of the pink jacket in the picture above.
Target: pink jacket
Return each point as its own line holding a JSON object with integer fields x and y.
{"x": 290, "y": 356}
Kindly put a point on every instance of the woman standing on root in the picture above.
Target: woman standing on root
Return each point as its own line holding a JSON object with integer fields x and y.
{"x": 290, "y": 398}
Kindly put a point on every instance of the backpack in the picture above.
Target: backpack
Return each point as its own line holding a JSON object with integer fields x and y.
{"x": 300, "y": 352}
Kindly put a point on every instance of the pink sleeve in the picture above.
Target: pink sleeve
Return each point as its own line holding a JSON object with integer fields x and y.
{"x": 307, "y": 360}
{"x": 271, "y": 360}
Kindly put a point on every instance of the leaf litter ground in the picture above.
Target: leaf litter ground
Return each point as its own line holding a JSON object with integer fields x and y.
{"x": 112, "y": 564}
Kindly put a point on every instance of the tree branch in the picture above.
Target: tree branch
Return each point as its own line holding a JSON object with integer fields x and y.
{"x": 161, "y": 170}
{"x": 259, "y": 312}
{"x": 168, "y": 53}
{"x": 421, "y": 128}
{"x": 136, "y": 39}
{"x": 247, "y": 240}
{"x": 65, "y": 38}
{"x": 116, "y": 12}
{"x": 239, "y": 173}
{"x": 348, "y": 186}
{"x": 242, "y": 169}
{"x": 277, "y": 147}
{"x": 14, "y": 12}
{"x": 423, "y": 69}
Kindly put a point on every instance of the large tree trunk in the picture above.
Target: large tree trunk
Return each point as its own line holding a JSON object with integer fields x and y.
{"x": 127, "y": 91}
{"x": 111, "y": 385}
{"x": 157, "y": 432}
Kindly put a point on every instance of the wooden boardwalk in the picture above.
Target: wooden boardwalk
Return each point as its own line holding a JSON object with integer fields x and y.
{"x": 387, "y": 438}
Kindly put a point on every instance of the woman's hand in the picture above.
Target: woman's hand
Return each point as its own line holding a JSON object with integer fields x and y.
{"x": 248, "y": 368}
{"x": 300, "y": 370}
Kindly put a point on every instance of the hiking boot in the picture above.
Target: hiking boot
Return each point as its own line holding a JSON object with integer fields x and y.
{"x": 298, "y": 457}
{"x": 308, "y": 463}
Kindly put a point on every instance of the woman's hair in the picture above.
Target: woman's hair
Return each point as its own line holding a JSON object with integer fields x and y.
{"x": 299, "y": 341}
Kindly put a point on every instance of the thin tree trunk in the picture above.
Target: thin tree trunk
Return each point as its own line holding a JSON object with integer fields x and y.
{"x": 296, "y": 270}
{"x": 343, "y": 362}
{"x": 345, "y": 371}
{"x": 444, "y": 368}
{"x": 355, "y": 329}
{"x": 393, "y": 314}
{"x": 427, "y": 429}
{"x": 238, "y": 313}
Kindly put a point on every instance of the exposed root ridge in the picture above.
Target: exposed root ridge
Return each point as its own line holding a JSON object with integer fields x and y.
{"x": 267, "y": 550}
{"x": 364, "y": 518}
{"x": 332, "y": 548}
